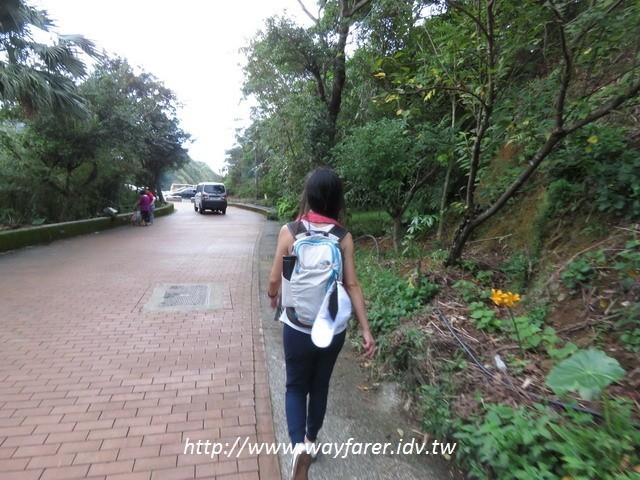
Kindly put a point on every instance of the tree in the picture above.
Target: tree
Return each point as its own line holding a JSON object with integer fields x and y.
{"x": 36, "y": 75}
{"x": 70, "y": 152}
{"x": 526, "y": 76}
{"x": 130, "y": 135}
{"x": 286, "y": 59}
{"x": 386, "y": 165}
{"x": 137, "y": 115}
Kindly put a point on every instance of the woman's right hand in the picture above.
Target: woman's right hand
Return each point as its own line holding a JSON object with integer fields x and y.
{"x": 368, "y": 344}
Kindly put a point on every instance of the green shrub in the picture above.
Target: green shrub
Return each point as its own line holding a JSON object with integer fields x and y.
{"x": 538, "y": 443}
{"x": 287, "y": 209}
{"x": 508, "y": 443}
{"x": 468, "y": 291}
{"x": 626, "y": 263}
{"x": 583, "y": 270}
{"x": 391, "y": 297}
{"x": 517, "y": 270}
{"x": 588, "y": 450}
{"x": 628, "y": 326}
{"x": 406, "y": 349}
{"x": 435, "y": 403}
{"x": 485, "y": 318}
{"x": 564, "y": 195}
{"x": 375, "y": 223}
{"x": 596, "y": 169}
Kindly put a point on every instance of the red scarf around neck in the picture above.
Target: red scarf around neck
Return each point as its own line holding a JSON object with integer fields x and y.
{"x": 313, "y": 217}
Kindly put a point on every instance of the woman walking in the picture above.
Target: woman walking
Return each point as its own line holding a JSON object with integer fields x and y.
{"x": 308, "y": 366}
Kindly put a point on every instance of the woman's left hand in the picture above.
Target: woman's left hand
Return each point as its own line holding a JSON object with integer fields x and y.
{"x": 273, "y": 301}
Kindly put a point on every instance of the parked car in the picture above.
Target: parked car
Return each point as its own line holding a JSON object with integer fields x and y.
{"x": 186, "y": 192}
{"x": 210, "y": 196}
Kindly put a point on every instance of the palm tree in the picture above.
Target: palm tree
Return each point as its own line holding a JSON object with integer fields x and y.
{"x": 35, "y": 75}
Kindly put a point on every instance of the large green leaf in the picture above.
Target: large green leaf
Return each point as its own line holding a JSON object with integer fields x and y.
{"x": 588, "y": 372}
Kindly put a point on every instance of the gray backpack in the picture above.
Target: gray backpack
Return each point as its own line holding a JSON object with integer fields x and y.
{"x": 317, "y": 270}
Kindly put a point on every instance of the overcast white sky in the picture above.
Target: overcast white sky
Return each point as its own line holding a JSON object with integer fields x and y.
{"x": 190, "y": 45}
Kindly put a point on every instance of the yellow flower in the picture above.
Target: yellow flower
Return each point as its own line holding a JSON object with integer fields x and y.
{"x": 504, "y": 299}
{"x": 496, "y": 296}
{"x": 592, "y": 139}
{"x": 512, "y": 299}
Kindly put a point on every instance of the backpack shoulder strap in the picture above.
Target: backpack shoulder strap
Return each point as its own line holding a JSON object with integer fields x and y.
{"x": 296, "y": 228}
{"x": 338, "y": 232}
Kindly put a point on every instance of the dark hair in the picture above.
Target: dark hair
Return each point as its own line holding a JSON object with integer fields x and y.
{"x": 323, "y": 193}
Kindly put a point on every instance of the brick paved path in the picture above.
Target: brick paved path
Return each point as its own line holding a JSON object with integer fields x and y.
{"x": 93, "y": 386}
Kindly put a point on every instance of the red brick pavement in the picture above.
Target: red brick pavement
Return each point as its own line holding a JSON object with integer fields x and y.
{"x": 91, "y": 387}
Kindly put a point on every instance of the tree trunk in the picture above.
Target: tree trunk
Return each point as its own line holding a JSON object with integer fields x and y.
{"x": 457, "y": 246}
{"x": 397, "y": 227}
{"x": 443, "y": 202}
{"x": 339, "y": 61}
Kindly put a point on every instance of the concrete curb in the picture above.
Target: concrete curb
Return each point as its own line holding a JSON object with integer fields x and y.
{"x": 266, "y": 211}
{"x": 43, "y": 234}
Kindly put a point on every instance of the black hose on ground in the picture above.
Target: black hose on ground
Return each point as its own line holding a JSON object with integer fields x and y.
{"x": 510, "y": 385}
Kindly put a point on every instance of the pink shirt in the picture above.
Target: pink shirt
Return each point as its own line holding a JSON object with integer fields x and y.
{"x": 145, "y": 203}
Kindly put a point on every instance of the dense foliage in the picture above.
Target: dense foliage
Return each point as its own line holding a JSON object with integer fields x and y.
{"x": 36, "y": 75}
{"x": 75, "y": 141}
{"x": 501, "y": 138}
{"x": 512, "y": 82}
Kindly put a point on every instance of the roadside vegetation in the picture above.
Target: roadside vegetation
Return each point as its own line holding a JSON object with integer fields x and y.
{"x": 79, "y": 131}
{"x": 529, "y": 362}
{"x": 491, "y": 153}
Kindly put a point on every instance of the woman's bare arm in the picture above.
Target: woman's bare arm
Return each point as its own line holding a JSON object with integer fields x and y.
{"x": 285, "y": 244}
{"x": 353, "y": 288}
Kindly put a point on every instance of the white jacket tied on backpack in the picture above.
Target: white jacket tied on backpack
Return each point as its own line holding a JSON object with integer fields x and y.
{"x": 317, "y": 272}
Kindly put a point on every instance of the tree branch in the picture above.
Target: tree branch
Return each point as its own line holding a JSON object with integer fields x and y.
{"x": 476, "y": 20}
{"x": 556, "y": 136}
{"x": 357, "y": 7}
{"x": 304, "y": 9}
{"x": 535, "y": 162}
{"x": 633, "y": 91}
{"x": 484, "y": 118}
{"x": 568, "y": 67}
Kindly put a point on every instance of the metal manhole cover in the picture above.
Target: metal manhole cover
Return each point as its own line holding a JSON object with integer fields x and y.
{"x": 185, "y": 297}
{"x": 177, "y": 295}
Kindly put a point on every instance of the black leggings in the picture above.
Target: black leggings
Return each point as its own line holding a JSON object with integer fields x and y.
{"x": 309, "y": 371}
